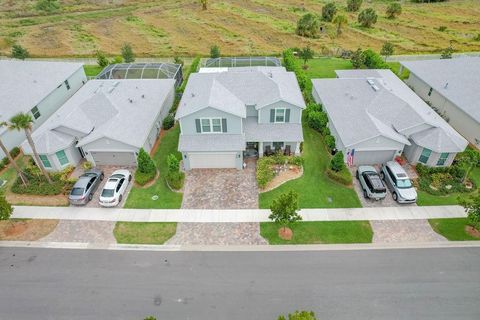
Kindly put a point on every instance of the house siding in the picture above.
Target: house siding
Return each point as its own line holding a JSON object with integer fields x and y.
{"x": 72, "y": 154}
{"x": 413, "y": 152}
{"x": 458, "y": 119}
{"x": 234, "y": 123}
{"x": 295, "y": 112}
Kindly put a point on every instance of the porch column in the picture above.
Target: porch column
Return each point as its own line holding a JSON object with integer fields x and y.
{"x": 297, "y": 149}
{"x": 260, "y": 149}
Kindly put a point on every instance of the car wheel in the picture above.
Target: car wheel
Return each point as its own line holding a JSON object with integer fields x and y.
{"x": 382, "y": 175}
{"x": 90, "y": 197}
{"x": 129, "y": 178}
{"x": 102, "y": 176}
{"x": 365, "y": 194}
{"x": 356, "y": 174}
{"x": 120, "y": 199}
{"x": 394, "y": 196}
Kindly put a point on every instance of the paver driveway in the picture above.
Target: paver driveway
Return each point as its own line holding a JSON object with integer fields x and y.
{"x": 221, "y": 189}
{"x": 396, "y": 231}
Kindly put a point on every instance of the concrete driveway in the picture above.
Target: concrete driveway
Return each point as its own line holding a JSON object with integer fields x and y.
{"x": 221, "y": 189}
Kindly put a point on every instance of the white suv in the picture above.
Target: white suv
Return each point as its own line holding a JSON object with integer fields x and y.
{"x": 398, "y": 183}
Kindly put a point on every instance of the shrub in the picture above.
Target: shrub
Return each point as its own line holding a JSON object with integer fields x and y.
{"x": 144, "y": 178}
{"x": 127, "y": 53}
{"x": 330, "y": 142}
{"x": 317, "y": 120}
{"x": 354, "y": 5}
{"x": 19, "y": 52}
{"x": 343, "y": 176}
{"x": 357, "y": 59}
{"x": 193, "y": 68}
{"x": 116, "y": 60}
{"x": 367, "y": 18}
{"x": 178, "y": 60}
{"x": 337, "y": 163}
{"x": 387, "y": 49}
{"x": 472, "y": 207}
{"x": 308, "y": 26}
{"x": 477, "y": 37}
{"x": 6, "y": 208}
{"x": 47, "y": 5}
{"x": 5, "y": 161}
{"x": 447, "y": 53}
{"x": 279, "y": 158}
{"x": 38, "y": 184}
{"x": 265, "y": 172}
{"x": 215, "y": 51}
{"x": 102, "y": 60}
{"x": 145, "y": 162}
{"x": 15, "y": 152}
{"x": 296, "y": 160}
{"x": 168, "y": 122}
{"x": 173, "y": 163}
{"x": 325, "y": 131}
{"x": 372, "y": 60}
{"x": 175, "y": 179}
{"x": 442, "y": 28}
{"x": 2, "y": 166}
{"x": 87, "y": 165}
{"x": 291, "y": 64}
{"x": 394, "y": 9}
{"x": 328, "y": 11}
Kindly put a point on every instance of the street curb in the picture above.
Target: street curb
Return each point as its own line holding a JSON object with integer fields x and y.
{"x": 244, "y": 248}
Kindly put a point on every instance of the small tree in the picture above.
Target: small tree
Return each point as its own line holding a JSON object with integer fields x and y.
{"x": 394, "y": 10}
{"x": 145, "y": 162}
{"x": 204, "y": 4}
{"x": 284, "y": 210}
{"x": 357, "y": 59}
{"x": 214, "y": 51}
{"x": 127, "y": 53}
{"x": 372, "y": 60}
{"x": 173, "y": 163}
{"x": 447, "y": 53}
{"x": 328, "y": 11}
{"x": 367, "y": 18}
{"x": 6, "y": 208}
{"x": 469, "y": 158}
{"x": 19, "y": 52}
{"x": 47, "y": 5}
{"x": 472, "y": 208}
{"x": 354, "y": 5}
{"x": 337, "y": 163}
{"x": 387, "y": 50}
{"x": 299, "y": 315}
{"x": 330, "y": 142}
{"x": 178, "y": 60}
{"x": 102, "y": 60}
{"x": 340, "y": 21}
{"x": 116, "y": 59}
{"x": 308, "y": 26}
{"x": 306, "y": 54}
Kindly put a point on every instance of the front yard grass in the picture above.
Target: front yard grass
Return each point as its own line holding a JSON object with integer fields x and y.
{"x": 315, "y": 232}
{"x": 142, "y": 197}
{"x": 453, "y": 229}
{"x": 144, "y": 232}
{"x": 315, "y": 189}
{"x": 92, "y": 70}
{"x": 325, "y": 67}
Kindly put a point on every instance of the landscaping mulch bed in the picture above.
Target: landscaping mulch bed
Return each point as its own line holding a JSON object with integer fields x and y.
{"x": 26, "y": 230}
{"x": 284, "y": 176}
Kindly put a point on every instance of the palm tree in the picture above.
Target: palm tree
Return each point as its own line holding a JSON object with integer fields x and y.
{"x": 23, "y": 121}
{"x": 340, "y": 21}
{"x": 14, "y": 164}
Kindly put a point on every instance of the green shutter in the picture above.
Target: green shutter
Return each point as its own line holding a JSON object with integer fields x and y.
{"x": 224, "y": 125}
{"x": 287, "y": 115}
{"x": 197, "y": 123}
{"x": 272, "y": 115}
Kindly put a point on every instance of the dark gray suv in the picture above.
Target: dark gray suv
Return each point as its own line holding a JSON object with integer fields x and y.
{"x": 83, "y": 190}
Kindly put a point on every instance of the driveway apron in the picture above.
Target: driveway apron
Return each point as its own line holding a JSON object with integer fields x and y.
{"x": 390, "y": 231}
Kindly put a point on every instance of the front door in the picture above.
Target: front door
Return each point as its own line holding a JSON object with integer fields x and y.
{"x": 251, "y": 150}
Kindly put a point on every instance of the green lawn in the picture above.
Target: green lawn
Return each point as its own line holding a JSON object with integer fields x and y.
{"x": 92, "y": 70}
{"x": 453, "y": 229}
{"x": 325, "y": 67}
{"x": 142, "y": 197}
{"x": 315, "y": 189}
{"x": 312, "y": 232}
{"x": 144, "y": 232}
{"x": 10, "y": 174}
{"x": 395, "y": 67}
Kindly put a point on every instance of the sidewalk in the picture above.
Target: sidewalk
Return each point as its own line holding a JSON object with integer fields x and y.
{"x": 247, "y": 215}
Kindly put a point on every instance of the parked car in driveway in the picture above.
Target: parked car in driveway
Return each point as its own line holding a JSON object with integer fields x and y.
{"x": 114, "y": 189}
{"x": 83, "y": 190}
{"x": 371, "y": 183}
{"x": 398, "y": 183}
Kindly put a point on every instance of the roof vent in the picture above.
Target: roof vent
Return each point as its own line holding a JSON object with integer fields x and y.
{"x": 270, "y": 75}
{"x": 370, "y": 82}
{"x": 143, "y": 96}
{"x": 193, "y": 95}
{"x": 130, "y": 100}
{"x": 446, "y": 85}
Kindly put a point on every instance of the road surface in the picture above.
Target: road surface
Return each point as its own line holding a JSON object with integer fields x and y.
{"x": 442, "y": 283}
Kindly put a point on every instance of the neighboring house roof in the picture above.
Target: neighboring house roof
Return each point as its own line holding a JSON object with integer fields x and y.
{"x": 211, "y": 142}
{"x": 268, "y": 132}
{"x": 121, "y": 110}
{"x": 24, "y": 84}
{"x": 232, "y": 89}
{"x": 458, "y": 80}
{"x": 382, "y": 106}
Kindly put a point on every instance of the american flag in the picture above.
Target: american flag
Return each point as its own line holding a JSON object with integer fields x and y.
{"x": 350, "y": 155}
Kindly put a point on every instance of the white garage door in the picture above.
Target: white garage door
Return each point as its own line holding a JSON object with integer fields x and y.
{"x": 212, "y": 160}
{"x": 373, "y": 157}
{"x": 114, "y": 158}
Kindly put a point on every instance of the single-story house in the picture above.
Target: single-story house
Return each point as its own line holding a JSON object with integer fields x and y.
{"x": 227, "y": 114}
{"x": 35, "y": 87}
{"x": 452, "y": 87}
{"x": 374, "y": 117}
{"x": 105, "y": 122}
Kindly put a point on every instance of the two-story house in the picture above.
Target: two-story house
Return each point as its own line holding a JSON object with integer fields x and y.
{"x": 227, "y": 114}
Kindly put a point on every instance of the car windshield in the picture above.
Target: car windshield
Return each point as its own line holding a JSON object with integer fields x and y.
{"x": 404, "y": 183}
{"x": 77, "y": 191}
{"x": 107, "y": 193}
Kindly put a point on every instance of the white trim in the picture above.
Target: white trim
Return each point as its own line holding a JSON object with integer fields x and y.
{"x": 284, "y": 115}
{"x": 210, "y": 120}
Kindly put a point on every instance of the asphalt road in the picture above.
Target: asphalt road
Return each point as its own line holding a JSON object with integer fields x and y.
{"x": 366, "y": 284}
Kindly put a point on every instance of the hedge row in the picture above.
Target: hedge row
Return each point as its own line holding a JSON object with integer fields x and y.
{"x": 291, "y": 64}
{"x": 343, "y": 176}
{"x": 38, "y": 184}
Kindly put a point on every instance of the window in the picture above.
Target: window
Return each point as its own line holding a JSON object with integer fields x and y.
{"x": 217, "y": 125}
{"x": 277, "y": 145}
{"x": 206, "y": 125}
{"x": 279, "y": 115}
{"x": 62, "y": 157}
{"x": 430, "y": 92}
{"x": 67, "y": 84}
{"x": 35, "y": 112}
{"x": 45, "y": 161}
{"x": 425, "y": 155}
{"x": 443, "y": 158}
{"x": 120, "y": 185}
{"x": 211, "y": 125}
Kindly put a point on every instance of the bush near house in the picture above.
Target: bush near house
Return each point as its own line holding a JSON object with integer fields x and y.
{"x": 38, "y": 184}
{"x": 175, "y": 177}
{"x": 442, "y": 180}
{"x": 168, "y": 122}
{"x": 146, "y": 170}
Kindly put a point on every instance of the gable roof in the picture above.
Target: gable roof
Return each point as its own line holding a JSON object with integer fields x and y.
{"x": 382, "y": 106}
{"x": 232, "y": 89}
{"x": 24, "y": 84}
{"x": 122, "y": 110}
{"x": 458, "y": 80}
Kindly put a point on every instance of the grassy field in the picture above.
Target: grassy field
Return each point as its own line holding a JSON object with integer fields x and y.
{"x": 92, "y": 70}
{"x": 314, "y": 232}
{"x": 452, "y": 229}
{"x": 239, "y": 27}
{"x": 144, "y": 232}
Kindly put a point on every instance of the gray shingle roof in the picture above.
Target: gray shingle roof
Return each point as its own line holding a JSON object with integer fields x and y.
{"x": 268, "y": 132}
{"x": 461, "y": 74}
{"x": 211, "y": 142}
{"x": 23, "y": 84}
{"x": 388, "y": 111}
{"x": 230, "y": 90}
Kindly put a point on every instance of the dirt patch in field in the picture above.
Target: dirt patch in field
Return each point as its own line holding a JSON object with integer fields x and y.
{"x": 26, "y": 230}
{"x": 472, "y": 231}
{"x": 33, "y": 200}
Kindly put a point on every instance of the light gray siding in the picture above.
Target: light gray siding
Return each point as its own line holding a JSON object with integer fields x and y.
{"x": 72, "y": 154}
{"x": 295, "y": 112}
{"x": 251, "y": 111}
{"x": 188, "y": 126}
{"x": 413, "y": 152}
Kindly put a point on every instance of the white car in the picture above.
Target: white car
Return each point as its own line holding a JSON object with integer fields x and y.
{"x": 112, "y": 192}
